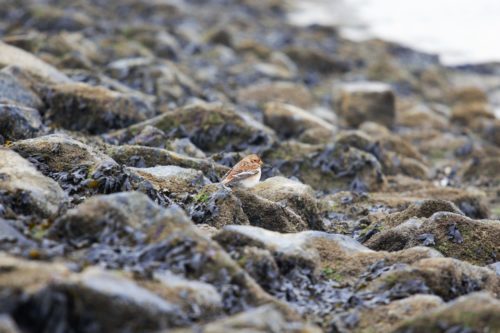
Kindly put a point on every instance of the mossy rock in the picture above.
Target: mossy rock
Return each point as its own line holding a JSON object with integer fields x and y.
{"x": 211, "y": 127}
{"x": 477, "y": 312}
{"x": 81, "y": 107}
{"x": 454, "y": 235}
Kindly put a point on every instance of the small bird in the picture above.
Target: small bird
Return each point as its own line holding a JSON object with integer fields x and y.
{"x": 246, "y": 173}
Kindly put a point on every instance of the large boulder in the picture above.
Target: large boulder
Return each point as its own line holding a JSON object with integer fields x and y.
{"x": 211, "y": 127}
{"x": 19, "y": 122}
{"x": 77, "y": 167}
{"x": 24, "y": 190}
{"x": 366, "y": 101}
{"x": 286, "y": 92}
{"x": 270, "y": 215}
{"x": 14, "y": 89}
{"x": 113, "y": 219}
{"x": 452, "y": 234}
{"x": 11, "y": 55}
{"x": 81, "y": 107}
{"x": 329, "y": 168}
{"x": 295, "y": 195}
{"x": 477, "y": 312}
{"x": 293, "y": 122}
{"x": 173, "y": 181}
{"x": 264, "y": 319}
{"x": 140, "y": 156}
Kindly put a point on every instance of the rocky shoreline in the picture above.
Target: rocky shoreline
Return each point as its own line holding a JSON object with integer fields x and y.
{"x": 378, "y": 209}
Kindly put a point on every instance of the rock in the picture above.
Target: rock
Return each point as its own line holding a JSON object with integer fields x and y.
{"x": 172, "y": 180}
{"x": 469, "y": 114}
{"x": 159, "y": 78}
{"x": 454, "y": 235}
{"x": 394, "y": 154}
{"x": 13, "y": 89}
{"x": 366, "y": 101}
{"x": 329, "y": 168}
{"x": 10, "y": 55}
{"x": 421, "y": 116}
{"x": 468, "y": 95}
{"x": 384, "y": 318}
{"x": 217, "y": 206}
{"x": 270, "y": 215}
{"x": 45, "y": 291}
{"x": 445, "y": 277}
{"x": 140, "y": 156}
{"x": 490, "y": 130}
{"x": 475, "y": 312}
{"x": 285, "y": 92}
{"x": 77, "y": 167}
{"x": 26, "y": 191}
{"x": 10, "y": 235}
{"x": 106, "y": 219}
{"x": 211, "y": 127}
{"x": 19, "y": 122}
{"x": 317, "y": 60}
{"x": 51, "y": 18}
{"x": 151, "y": 136}
{"x": 264, "y": 319}
{"x": 78, "y": 106}
{"x": 185, "y": 147}
{"x": 295, "y": 195}
{"x": 339, "y": 257}
{"x": 292, "y": 122}
{"x": 7, "y": 325}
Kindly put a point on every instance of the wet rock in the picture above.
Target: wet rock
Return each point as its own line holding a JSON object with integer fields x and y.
{"x": 19, "y": 122}
{"x": 490, "y": 131}
{"x": 26, "y": 191}
{"x": 270, "y": 215}
{"x": 217, "y": 206}
{"x": 44, "y": 292}
{"x": 159, "y": 78}
{"x": 292, "y": 122}
{"x": 151, "y": 136}
{"x": 211, "y": 127}
{"x": 445, "y": 277}
{"x": 264, "y": 319}
{"x": 421, "y": 116}
{"x": 7, "y": 325}
{"x": 77, "y": 167}
{"x": 78, "y": 106}
{"x": 10, "y": 55}
{"x": 317, "y": 60}
{"x": 474, "y": 312}
{"x": 140, "y": 156}
{"x": 295, "y": 195}
{"x": 366, "y": 101}
{"x": 13, "y": 89}
{"x": 286, "y": 92}
{"x": 329, "y": 168}
{"x": 50, "y": 18}
{"x": 171, "y": 180}
{"x": 454, "y": 235}
{"x": 384, "y": 318}
{"x": 469, "y": 114}
{"x": 338, "y": 257}
{"x": 468, "y": 95}
{"x": 107, "y": 219}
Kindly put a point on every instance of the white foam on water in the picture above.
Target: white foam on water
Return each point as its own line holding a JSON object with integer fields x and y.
{"x": 460, "y": 31}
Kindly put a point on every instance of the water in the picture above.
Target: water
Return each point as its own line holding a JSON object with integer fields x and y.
{"x": 460, "y": 31}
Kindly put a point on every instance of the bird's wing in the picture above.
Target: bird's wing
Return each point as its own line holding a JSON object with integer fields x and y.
{"x": 237, "y": 176}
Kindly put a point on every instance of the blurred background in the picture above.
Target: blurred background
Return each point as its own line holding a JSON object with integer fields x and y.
{"x": 460, "y": 31}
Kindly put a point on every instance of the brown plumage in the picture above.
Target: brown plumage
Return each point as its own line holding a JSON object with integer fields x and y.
{"x": 245, "y": 173}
